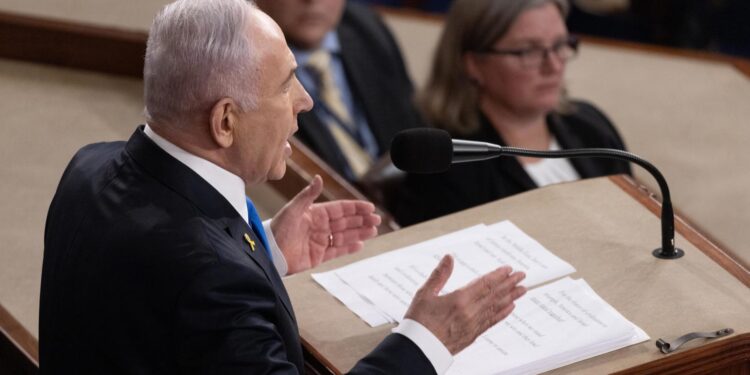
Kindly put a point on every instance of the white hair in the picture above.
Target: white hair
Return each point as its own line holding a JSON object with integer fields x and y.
{"x": 197, "y": 53}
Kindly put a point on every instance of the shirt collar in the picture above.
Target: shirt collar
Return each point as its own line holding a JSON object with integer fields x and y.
{"x": 229, "y": 185}
{"x": 330, "y": 43}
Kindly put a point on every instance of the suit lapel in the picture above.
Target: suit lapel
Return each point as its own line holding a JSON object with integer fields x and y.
{"x": 512, "y": 168}
{"x": 184, "y": 181}
{"x": 363, "y": 77}
{"x": 508, "y": 166}
{"x": 238, "y": 229}
{"x": 586, "y": 167}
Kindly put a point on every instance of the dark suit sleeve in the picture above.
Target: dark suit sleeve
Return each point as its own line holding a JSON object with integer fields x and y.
{"x": 393, "y": 356}
{"x": 226, "y": 324}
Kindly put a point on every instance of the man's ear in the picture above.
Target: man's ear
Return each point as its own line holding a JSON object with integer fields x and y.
{"x": 223, "y": 121}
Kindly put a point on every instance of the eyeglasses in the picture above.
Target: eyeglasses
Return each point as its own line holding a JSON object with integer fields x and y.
{"x": 534, "y": 57}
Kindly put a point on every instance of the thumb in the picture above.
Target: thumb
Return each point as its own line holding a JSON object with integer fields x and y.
{"x": 439, "y": 276}
{"x": 309, "y": 194}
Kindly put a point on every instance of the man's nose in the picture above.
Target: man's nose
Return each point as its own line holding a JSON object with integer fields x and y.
{"x": 304, "y": 102}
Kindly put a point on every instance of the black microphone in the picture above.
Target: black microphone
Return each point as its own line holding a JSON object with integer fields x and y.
{"x": 426, "y": 150}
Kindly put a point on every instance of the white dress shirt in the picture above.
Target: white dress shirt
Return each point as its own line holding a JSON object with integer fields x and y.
{"x": 551, "y": 171}
{"x": 228, "y": 184}
{"x": 232, "y": 188}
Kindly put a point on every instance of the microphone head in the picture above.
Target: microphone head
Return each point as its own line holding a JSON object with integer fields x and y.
{"x": 422, "y": 150}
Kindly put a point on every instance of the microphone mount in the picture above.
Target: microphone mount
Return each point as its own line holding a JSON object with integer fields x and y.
{"x": 466, "y": 151}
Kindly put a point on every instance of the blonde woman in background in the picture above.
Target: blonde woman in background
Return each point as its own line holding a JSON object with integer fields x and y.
{"x": 497, "y": 77}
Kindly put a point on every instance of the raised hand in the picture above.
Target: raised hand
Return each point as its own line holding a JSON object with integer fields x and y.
{"x": 311, "y": 233}
{"x": 459, "y": 317}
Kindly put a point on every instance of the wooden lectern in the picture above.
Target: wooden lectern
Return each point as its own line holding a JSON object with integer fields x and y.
{"x": 603, "y": 227}
{"x": 606, "y": 228}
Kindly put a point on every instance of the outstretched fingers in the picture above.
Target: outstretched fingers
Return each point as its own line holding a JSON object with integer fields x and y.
{"x": 345, "y": 237}
{"x": 501, "y": 301}
{"x": 497, "y": 283}
{"x": 481, "y": 288}
{"x": 343, "y": 208}
{"x": 491, "y": 296}
{"x": 337, "y": 251}
{"x": 439, "y": 276}
{"x": 309, "y": 194}
{"x": 357, "y": 221}
{"x": 501, "y": 306}
{"x": 459, "y": 317}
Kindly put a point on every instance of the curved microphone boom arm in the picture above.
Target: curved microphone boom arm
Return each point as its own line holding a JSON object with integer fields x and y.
{"x": 466, "y": 151}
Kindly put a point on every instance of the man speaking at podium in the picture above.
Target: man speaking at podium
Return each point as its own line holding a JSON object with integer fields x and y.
{"x": 155, "y": 262}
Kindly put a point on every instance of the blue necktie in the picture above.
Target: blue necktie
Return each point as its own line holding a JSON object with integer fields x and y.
{"x": 257, "y": 226}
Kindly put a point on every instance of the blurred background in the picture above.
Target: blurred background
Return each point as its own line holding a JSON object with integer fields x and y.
{"x": 712, "y": 25}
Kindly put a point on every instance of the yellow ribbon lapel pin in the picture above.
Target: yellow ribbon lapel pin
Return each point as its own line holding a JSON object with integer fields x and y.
{"x": 250, "y": 241}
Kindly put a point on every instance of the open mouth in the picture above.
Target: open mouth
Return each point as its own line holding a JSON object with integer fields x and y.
{"x": 287, "y": 149}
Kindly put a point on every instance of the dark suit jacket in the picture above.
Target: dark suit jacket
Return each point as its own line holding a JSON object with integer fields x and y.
{"x": 378, "y": 80}
{"x": 146, "y": 272}
{"x": 423, "y": 197}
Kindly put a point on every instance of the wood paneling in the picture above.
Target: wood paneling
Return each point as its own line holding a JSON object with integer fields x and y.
{"x": 730, "y": 356}
{"x": 19, "y": 353}
{"x": 72, "y": 45}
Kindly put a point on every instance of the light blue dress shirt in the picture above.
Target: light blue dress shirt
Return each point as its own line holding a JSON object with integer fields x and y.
{"x": 361, "y": 132}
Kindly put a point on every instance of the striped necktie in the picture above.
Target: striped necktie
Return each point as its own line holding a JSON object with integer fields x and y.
{"x": 358, "y": 159}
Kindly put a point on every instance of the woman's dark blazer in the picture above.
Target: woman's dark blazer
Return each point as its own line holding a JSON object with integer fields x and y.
{"x": 423, "y": 197}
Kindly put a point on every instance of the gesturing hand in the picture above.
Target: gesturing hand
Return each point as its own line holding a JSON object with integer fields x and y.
{"x": 459, "y": 317}
{"x": 309, "y": 234}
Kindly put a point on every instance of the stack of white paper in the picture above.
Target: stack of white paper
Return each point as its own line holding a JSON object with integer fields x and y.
{"x": 552, "y": 325}
{"x": 380, "y": 289}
